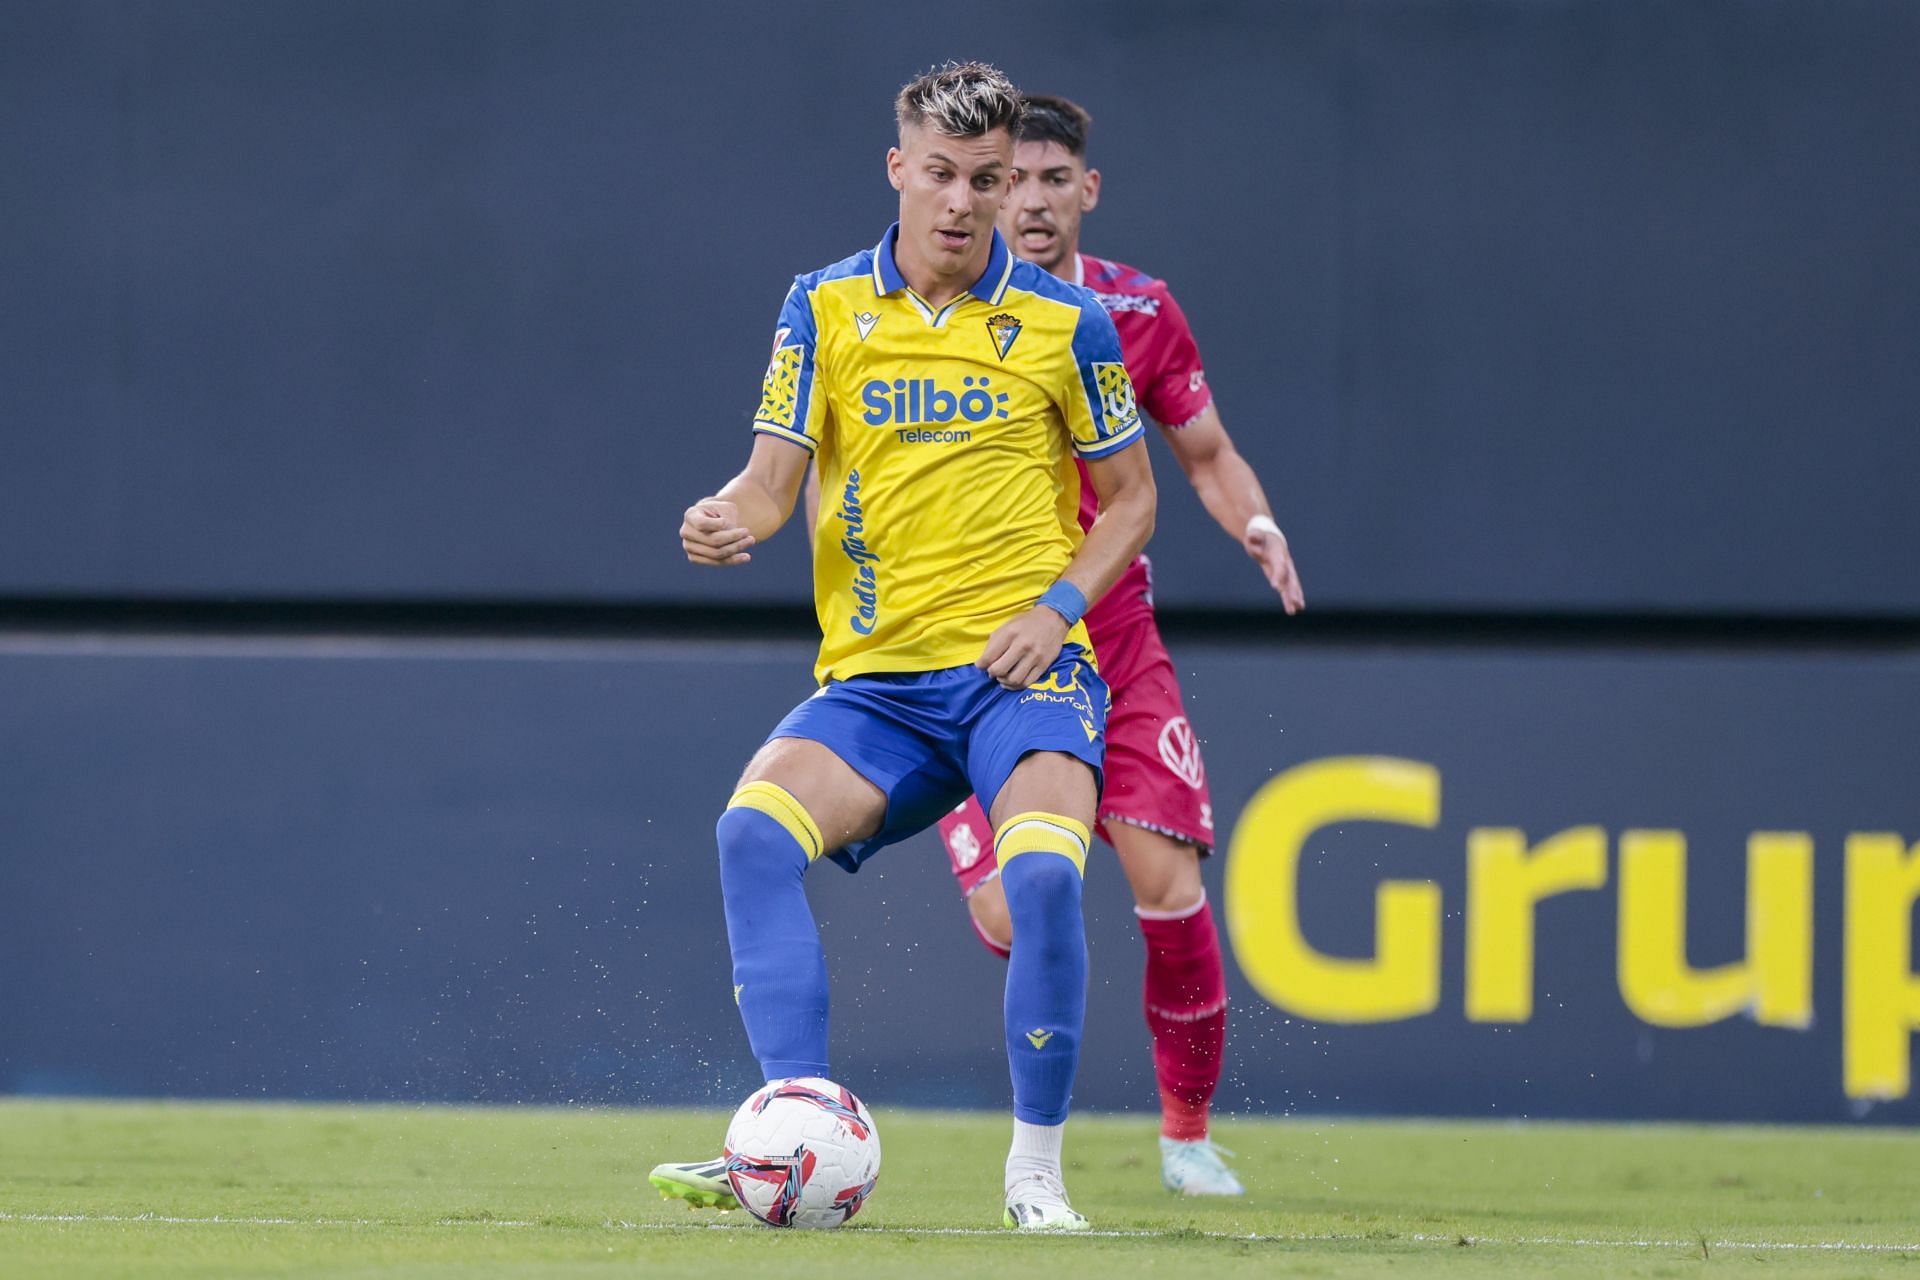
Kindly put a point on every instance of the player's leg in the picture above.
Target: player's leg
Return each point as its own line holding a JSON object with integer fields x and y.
{"x": 1157, "y": 814}
{"x": 1185, "y": 996}
{"x": 797, "y": 800}
{"x": 968, "y": 837}
{"x": 1042, "y": 816}
{"x": 992, "y": 922}
{"x": 1034, "y": 757}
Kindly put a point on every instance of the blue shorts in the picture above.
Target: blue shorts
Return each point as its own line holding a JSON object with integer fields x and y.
{"x": 928, "y": 739}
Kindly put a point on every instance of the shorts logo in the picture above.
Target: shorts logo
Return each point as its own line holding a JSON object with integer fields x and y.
{"x": 1180, "y": 752}
{"x": 1117, "y": 408}
{"x": 965, "y": 847}
{"x": 1197, "y": 379}
{"x": 1053, "y": 683}
{"x": 1065, "y": 689}
{"x": 781, "y": 387}
{"x": 1003, "y": 329}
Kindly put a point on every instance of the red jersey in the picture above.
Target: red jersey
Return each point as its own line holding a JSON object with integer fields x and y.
{"x": 1164, "y": 363}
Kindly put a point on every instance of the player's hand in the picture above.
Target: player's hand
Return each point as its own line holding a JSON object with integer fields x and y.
{"x": 1269, "y": 549}
{"x": 1020, "y": 652}
{"x": 711, "y": 533}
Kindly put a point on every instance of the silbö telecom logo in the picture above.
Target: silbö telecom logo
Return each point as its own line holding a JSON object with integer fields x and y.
{"x": 908, "y": 404}
{"x": 853, "y": 543}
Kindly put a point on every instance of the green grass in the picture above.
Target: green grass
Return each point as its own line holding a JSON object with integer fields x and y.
{"x": 92, "y": 1189}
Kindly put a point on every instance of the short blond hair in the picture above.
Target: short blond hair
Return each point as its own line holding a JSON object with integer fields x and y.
{"x": 959, "y": 100}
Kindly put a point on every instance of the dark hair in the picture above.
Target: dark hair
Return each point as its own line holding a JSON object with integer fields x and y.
{"x": 1047, "y": 118}
{"x": 960, "y": 100}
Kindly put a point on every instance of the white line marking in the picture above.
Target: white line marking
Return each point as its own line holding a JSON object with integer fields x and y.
{"x": 614, "y": 1224}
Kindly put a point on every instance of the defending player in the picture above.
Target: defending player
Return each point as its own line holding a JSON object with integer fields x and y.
{"x": 945, "y": 388}
{"x": 1155, "y": 810}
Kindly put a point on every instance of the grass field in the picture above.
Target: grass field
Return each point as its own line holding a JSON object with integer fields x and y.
{"x": 92, "y": 1189}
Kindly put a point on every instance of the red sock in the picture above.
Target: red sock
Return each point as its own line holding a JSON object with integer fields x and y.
{"x": 1186, "y": 999}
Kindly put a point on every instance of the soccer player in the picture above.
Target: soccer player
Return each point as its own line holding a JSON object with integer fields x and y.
{"x": 945, "y": 389}
{"x": 1155, "y": 810}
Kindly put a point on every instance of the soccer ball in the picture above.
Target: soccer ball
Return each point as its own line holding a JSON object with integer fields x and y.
{"x": 802, "y": 1153}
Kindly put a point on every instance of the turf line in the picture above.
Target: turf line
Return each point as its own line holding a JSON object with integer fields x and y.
{"x": 1576, "y": 1242}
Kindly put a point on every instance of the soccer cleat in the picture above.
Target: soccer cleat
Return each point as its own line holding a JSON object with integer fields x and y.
{"x": 702, "y": 1185}
{"x": 1038, "y": 1202}
{"x": 1196, "y": 1169}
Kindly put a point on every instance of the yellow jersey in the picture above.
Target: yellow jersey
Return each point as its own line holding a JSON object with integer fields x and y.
{"x": 946, "y": 441}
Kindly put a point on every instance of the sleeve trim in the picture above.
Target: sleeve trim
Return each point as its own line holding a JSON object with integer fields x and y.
{"x": 1112, "y": 444}
{"x": 782, "y": 433}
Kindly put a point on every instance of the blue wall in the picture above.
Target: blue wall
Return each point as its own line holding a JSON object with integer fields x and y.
{"x": 1597, "y": 308}
{"x": 484, "y": 870}
{"x": 1600, "y": 305}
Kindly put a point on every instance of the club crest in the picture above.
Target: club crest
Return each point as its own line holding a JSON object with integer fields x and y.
{"x": 1003, "y": 329}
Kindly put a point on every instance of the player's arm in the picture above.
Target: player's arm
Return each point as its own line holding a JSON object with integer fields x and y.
{"x": 1232, "y": 495}
{"x": 1020, "y": 651}
{"x": 722, "y": 528}
{"x": 813, "y": 501}
{"x": 751, "y": 507}
{"x": 1123, "y": 482}
{"x": 1175, "y": 391}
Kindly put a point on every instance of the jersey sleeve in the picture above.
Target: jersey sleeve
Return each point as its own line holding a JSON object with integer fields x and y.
{"x": 1173, "y": 385}
{"x": 789, "y": 409}
{"x": 1100, "y": 410}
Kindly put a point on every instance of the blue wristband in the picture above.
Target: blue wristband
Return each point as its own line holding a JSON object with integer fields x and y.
{"x": 1066, "y": 600}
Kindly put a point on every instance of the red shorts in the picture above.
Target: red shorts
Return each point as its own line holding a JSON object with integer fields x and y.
{"x": 1154, "y": 775}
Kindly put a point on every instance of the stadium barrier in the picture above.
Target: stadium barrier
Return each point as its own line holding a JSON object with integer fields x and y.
{"x": 1533, "y": 881}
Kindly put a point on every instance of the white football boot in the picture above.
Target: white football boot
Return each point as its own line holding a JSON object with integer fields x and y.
{"x": 1038, "y": 1202}
{"x": 1196, "y": 1169}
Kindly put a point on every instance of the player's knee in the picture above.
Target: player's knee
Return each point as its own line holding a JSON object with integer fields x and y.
{"x": 1169, "y": 898}
{"x": 1040, "y": 881}
{"x": 765, "y": 831}
{"x": 1041, "y": 858}
{"x": 1043, "y": 902}
{"x": 733, "y": 833}
{"x": 1163, "y": 874}
{"x": 991, "y": 921}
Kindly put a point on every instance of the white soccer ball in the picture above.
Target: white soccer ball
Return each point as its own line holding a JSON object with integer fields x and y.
{"x": 802, "y": 1153}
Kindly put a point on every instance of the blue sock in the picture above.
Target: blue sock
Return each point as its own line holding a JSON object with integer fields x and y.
{"x": 1042, "y": 856}
{"x": 767, "y": 841}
